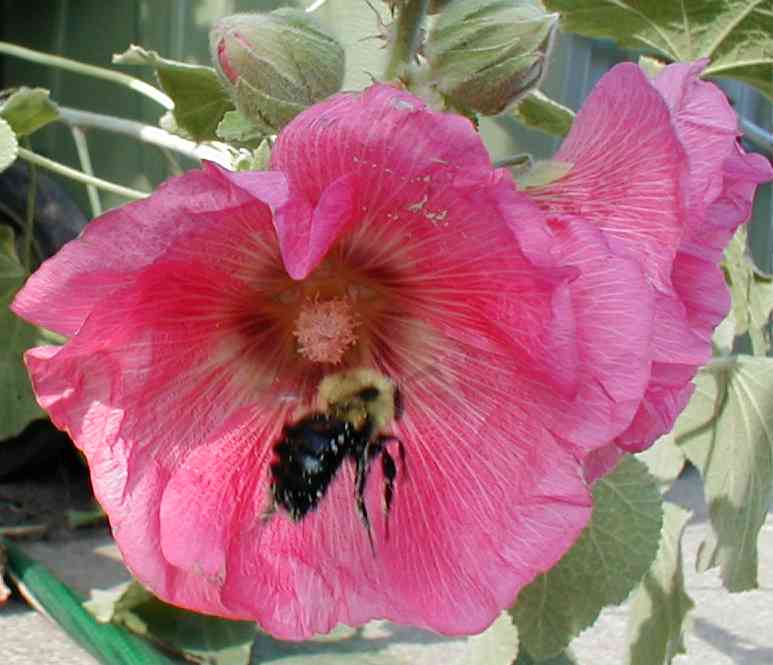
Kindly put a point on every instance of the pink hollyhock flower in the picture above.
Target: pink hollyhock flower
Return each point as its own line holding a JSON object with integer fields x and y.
{"x": 522, "y": 329}
{"x": 705, "y": 197}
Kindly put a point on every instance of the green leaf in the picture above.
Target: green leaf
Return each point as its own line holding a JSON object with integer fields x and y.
{"x": 724, "y": 335}
{"x": 733, "y": 34}
{"x": 235, "y": 128}
{"x": 752, "y": 294}
{"x": 28, "y": 109}
{"x": 657, "y": 618}
{"x": 609, "y": 559}
{"x": 565, "y": 658}
{"x": 9, "y": 146}
{"x": 727, "y": 433}
{"x": 200, "y": 100}
{"x": 201, "y": 638}
{"x": 665, "y": 460}
{"x": 17, "y": 402}
{"x": 537, "y": 111}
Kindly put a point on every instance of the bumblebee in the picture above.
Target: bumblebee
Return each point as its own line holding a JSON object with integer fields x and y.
{"x": 357, "y": 406}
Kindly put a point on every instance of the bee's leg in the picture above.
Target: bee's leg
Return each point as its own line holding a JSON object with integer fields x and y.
{"x": 401, "y": 451}
{"x": 363, "y": 464}
{"x": 390, "y": 472}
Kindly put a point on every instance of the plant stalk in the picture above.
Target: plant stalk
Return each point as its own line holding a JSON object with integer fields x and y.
{"x": 406, "y": 38}
{"x": 29, "y": 226}
{"x": 78, "y": 176}
{"x": 145, "y": 133}
{"x": 79, "y": 137}
{"x": 88, "y": 70}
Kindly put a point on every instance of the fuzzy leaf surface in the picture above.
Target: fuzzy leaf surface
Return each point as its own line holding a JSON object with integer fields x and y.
{"x": 658, "y": 615}
{"x": 664, "y": 459}
{"x": 28, "y": 109}
{"x": 727, "y": 433}
{"x": 566, "y": 658}
{"x": 200, "y": 100}
{"x": 609, "y": 559}
{"x": 538, "y": 111}
{"x": 9, "y": 146}
{"x": 17, "y": 403}
{"x": 752, "y": 294}
{"x": 733, "y": 34}
{"x": 235, "y": 128}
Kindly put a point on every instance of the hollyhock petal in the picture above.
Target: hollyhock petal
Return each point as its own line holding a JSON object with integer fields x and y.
{"x": 141, "y": 380}
{"x": 669, "y": 390}
{"x": 601, "y": 462}
{"x": 609, "y": 335}
{"x": 60, "y": 295}
{"x": 627, "y": 171}
{"x": 355, "y": 155}
{"x": 720, "y": 187}
{"x": 302, "y": 248}
{"x": 657, "y": 167}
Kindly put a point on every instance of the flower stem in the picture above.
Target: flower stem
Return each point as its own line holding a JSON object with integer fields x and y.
{"x": 29, "y": 227}
{"x": 145, "y": 133}
{"x": 74, "y": 174}
{"x": 757, "y": 135}
{"x": 88, "y": 70}
{"x": 407, "y": 34}
{"x": 85, "y": 159}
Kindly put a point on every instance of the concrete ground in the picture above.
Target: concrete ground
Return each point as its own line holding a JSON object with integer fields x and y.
{"x": 727, "y": 630}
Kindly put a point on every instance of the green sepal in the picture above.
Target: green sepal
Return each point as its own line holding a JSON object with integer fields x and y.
{"x": 200, "y": 99}
{"x": 537, "y": 111}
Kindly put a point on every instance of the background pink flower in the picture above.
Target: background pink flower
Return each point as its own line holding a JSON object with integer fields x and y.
{"x": 519, "y": 330}
{"x": 658, "y": 167}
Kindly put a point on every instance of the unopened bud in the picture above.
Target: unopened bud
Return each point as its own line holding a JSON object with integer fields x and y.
{"x": 276, "y": 65}
{"x": 485, "y": 54}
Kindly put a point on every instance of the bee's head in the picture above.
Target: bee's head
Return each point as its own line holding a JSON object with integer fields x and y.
{"x": 360, "y": 391}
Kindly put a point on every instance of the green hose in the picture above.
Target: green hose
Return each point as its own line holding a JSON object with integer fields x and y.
{"x": 109, "y": 644}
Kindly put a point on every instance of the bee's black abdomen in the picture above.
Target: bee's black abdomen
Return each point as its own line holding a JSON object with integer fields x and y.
{"x": 308, "y": 456}
{"x": 312, "y": 450}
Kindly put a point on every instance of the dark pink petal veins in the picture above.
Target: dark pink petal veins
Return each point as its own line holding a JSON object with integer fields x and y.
{"x": 628, "y": 171}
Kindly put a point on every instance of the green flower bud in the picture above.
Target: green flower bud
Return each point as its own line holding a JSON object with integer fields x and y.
{"x": 485, "y": 54}
{"x": 276, "y": 65}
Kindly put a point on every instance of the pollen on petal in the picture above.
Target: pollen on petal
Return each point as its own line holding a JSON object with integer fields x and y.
{"x": 325, "y": 330}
